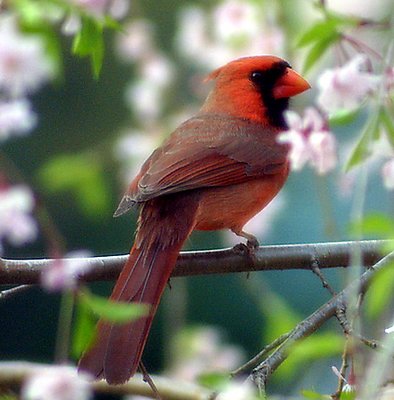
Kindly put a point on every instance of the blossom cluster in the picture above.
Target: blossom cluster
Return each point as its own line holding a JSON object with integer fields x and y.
{"x": 230, "y": 30}
{"x": 24, "y": 68}
{"x": 57, "y": 383}
{"x": 17, "y": 226}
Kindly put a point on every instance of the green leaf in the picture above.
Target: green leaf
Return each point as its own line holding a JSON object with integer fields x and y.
{"x": 214, "y": 380}
{"x": 84, "y": 331}
{"x": 320, "y": 30}
{"x": 362, "y": 149}
{"x": 320, "y": 345}
{"x": 89, "y": 42}
{"x": 380, "y": 292}
{"x": 81, "y": 174}
{"x": 112, "y": 311}
{"x": 348, "y": 395}
{"x": 310, "y": 394}
{"x": 282, "y": 320}
{"x": 387, "y": 124}
{"x": 343, "y": 117}
{"x": 318, "y": 50}
{"x": 377, "y": 224}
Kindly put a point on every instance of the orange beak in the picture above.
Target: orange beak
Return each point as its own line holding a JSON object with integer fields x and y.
{"x": 290, "y": 85}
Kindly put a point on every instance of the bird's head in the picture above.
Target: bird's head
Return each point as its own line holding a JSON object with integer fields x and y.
{"x": 256, "y": 88}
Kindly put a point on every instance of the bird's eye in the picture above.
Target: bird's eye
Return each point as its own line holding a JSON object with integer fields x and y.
{"x": 257, "y": 76}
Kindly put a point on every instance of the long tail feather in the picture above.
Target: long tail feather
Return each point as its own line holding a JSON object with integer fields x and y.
{"x": 165, "y": 223}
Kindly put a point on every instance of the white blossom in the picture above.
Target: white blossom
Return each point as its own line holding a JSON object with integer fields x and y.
{"x": 390, "y": 329}
{"x": 238, "y": 30}
{"x": 346, "y": 87}
{"x": 158, "y": 70}
{"x": 17, "y": 225}
{"x": 388, "y": 174}
{"x": 201, "y": 350}
{"x": 136, "y": 41}
{"x": 56, "y": 383}
{"x": 310, "y": 141}
{"x": 238, "y": 391}
{"x": 132, "y": 149}
{"x": 24, "y": 66}
{"x": 63, "y": 274}
{"x": 99, "y": 8}
{"x": 16, "y": 118}
{"x": 145, "y": 99}
{"x": 235, "y": 19}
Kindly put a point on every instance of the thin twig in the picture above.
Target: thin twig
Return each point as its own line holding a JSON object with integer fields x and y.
{"x": 260, "y": 356}
{"x": 316, "y": 270}
{"x": 282, "y": 257}
{"x": 148, "y": 379}
{"x": 6, "y": 294}
{"x": 342, "y": 370}
{"x": 261, "y": 373}
{"x": 15, "y": 372}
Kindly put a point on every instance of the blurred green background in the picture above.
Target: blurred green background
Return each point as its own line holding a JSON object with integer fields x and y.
{"x": 80, "y": 118}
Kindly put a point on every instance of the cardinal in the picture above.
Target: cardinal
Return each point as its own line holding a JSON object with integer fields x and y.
{"x": 215, "y": 171}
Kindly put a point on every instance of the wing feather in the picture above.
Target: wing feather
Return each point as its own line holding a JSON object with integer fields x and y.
{"x": 209, "y": 151}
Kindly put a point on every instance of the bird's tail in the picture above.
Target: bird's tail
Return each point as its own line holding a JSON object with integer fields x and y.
{"x": 163, "y": 228}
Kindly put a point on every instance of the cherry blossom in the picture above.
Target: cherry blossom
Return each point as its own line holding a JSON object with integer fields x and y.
{"x": 132, "y": 149}
{"x": 238, "y": 391}
{"x": 235, "y": 18}
{"x": 98, "y": 8}
{"x": 346, "y": 87}
{"x": 239, "y": 29}
{"x": 310, "y": 141}
{"x": 57, "y": 383}
{"x": 24, "y": 66}
{"x": 375, "y": 10}
{"x": 388, "y": 174}
{"x": 16, "y": 118}
{"x": 201, "y": 350}
{"x": 136, "y": 41}
{"x": 17, "y": 225}
{"x": 390, "y": 329}
{"x": 63, "y": 274}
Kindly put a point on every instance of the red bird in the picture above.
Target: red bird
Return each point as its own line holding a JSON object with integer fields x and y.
{"x": 215, "y": 171}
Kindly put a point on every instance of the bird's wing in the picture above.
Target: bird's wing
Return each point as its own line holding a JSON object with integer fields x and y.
{"x": 208, "y": 151}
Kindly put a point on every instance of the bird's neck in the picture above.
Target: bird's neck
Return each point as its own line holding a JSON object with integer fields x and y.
{"x": 251, "y": 106}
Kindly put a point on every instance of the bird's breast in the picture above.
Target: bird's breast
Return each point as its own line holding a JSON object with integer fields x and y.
{"x": 233, "y": 206}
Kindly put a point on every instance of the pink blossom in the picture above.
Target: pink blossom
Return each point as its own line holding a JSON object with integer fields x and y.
{"x": 16, "y": 118}
{"x": 388, "y": 174}
{"x": 24, "y": 66}
{"x": 17, "y": 225}
{"x": 239, "y": 29}
{"x": 389, "y": 329}
{"x": 238, "y": 391}
{"x": 136, "y": 42}
{"x": 200, "y": 350}
{"x": 56, "y": 383}
{"x": 145, "y": 99}
{"x": 375, "y": 10}
{"x": 235, "y": 18}
{"x": 158, "y": 70}
{"x": 346, "y": 87}
{"x": 63, "y": 274}
{"x": 132, "y": 149}
{"x": 310, "y": 141}
{"x": 98, "y": 8}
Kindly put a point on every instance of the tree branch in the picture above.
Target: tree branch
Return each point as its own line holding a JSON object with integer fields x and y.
{"x": 15, "y": 372}
{"x": 281, "y": 257}
{"x": 305, "y": 328}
